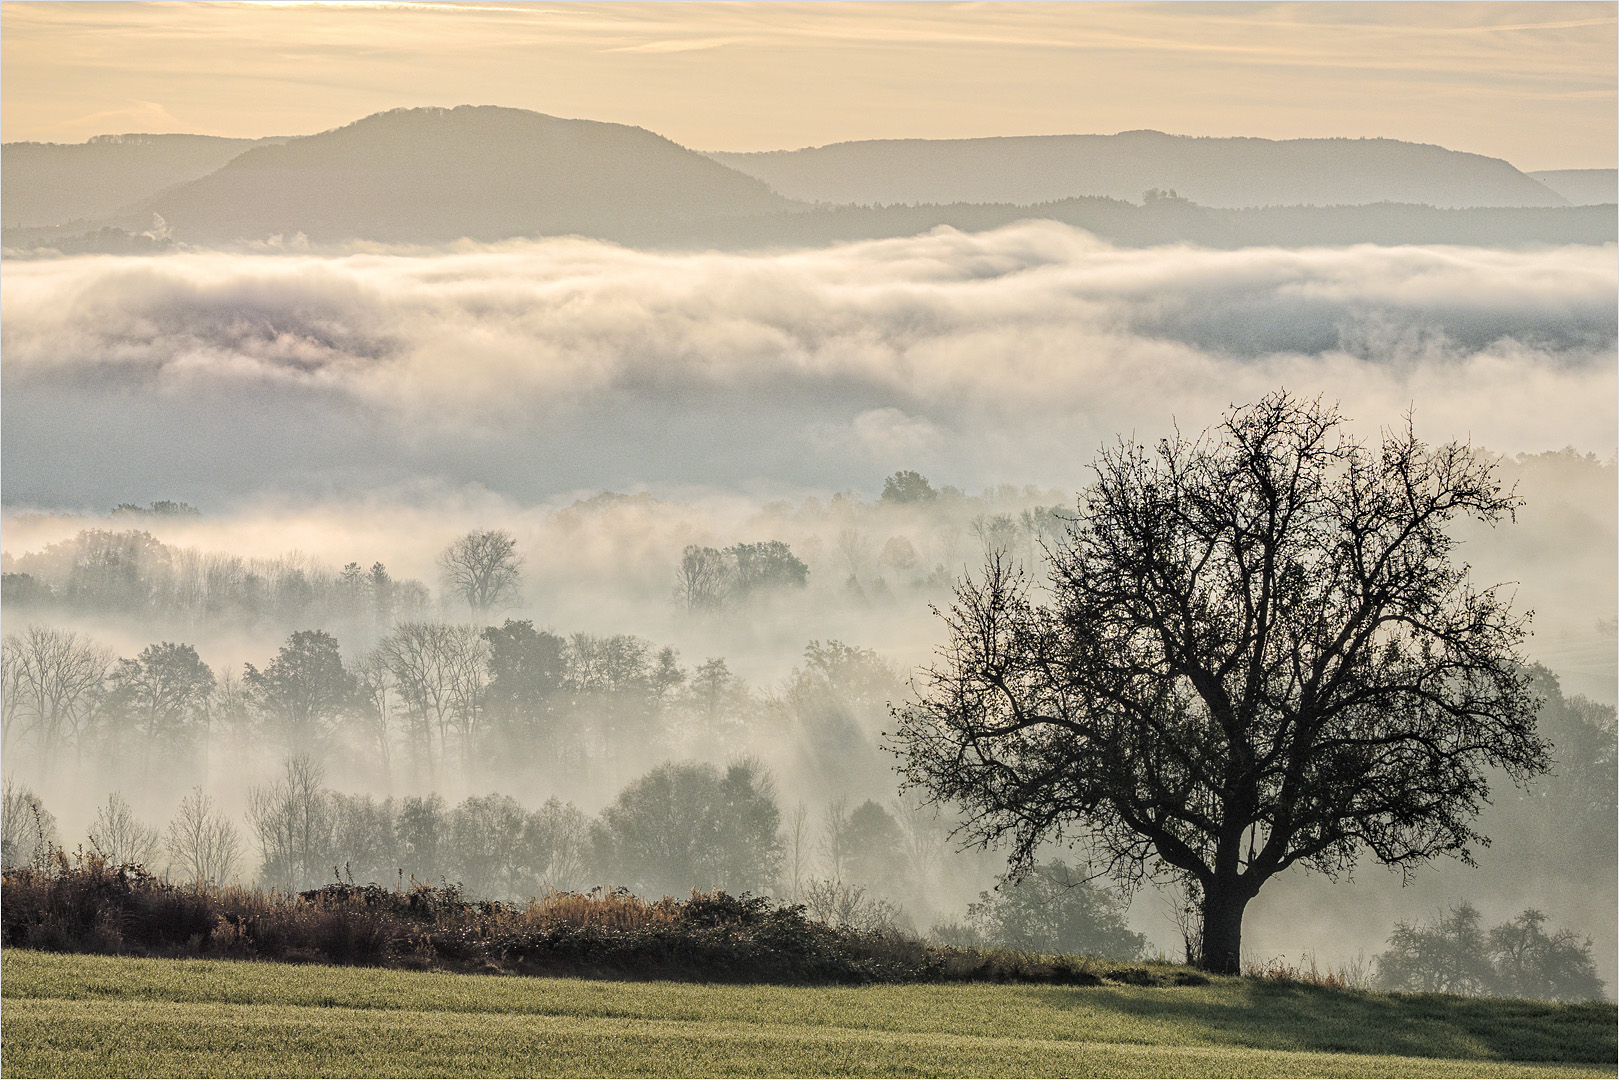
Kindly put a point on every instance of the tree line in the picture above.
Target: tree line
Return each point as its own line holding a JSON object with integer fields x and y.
{"x": 130, "y": 572}
{"x": 680, "y": 826}
{"x": 431, "y": 703}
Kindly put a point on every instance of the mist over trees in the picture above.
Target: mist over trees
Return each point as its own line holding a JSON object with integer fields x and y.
{"x": 1454, "y": 954}
{"x": 488, "y": 751}
{"x": 132, "y": 574}
{"x": 465, "y": 681}
{"x": 1258, "y": 653}
{"x": 710, "y": 580}
{"x": 483, "y": 569}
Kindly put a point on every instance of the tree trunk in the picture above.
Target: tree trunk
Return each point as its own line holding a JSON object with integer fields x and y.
{"x": 1223, "y": 904}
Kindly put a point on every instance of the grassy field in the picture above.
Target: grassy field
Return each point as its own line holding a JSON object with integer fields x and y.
{"x": 102, "y": 1016}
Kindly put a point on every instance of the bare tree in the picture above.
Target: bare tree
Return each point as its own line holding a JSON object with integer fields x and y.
{"x": 556, "y": 838}
{"x": 835, "y": 845}
{"x": 440, "y": 673}
{"x": 797, "y": 862}
{"x": 27, "y": 829}
{"x": 54, "y": 680}
{"x": 855, "y": 548}
{"x": 483, "y": 568}
{"x": 233, "y": 721}
{"x": 121, "y": 838}
{"x": 379, "y": 702}
{"x": 924, "y": 838}
{"x": 202, "y": 845}
{"x": 1257, "y": 652}
{"x": 703, "y": 582}
{"x": 292, "y": 820}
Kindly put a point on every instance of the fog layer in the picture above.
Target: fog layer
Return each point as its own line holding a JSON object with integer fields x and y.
{"x": 534, "y": 369}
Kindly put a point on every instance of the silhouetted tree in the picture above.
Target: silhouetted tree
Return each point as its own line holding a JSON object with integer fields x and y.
{"x": 53, "y": 682}
{"x": 717, "y": 701}
{"x": 421, "y": 829}
{"x": 27, "y": 829}
{"x": 440, "y": 673}
{"x": 769, "y": 564}
{"x": 487, "y": 853}
{"x": 364, "y": 844}
{"x": 1530, "y": 963}
{"x": 556, "y": 841}
{"x": 873, "y": 838}
{"x": 527, "y": 670}
{"x": 293, "y": 819}
{"x": 834, "y": 703}
{"x": 24, "y": 590}
{"x": 704, "y": 580}
{"x": 1257, "y": 652}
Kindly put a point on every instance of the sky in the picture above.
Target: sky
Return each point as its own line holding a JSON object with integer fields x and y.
{"x": 1532, "y": 83}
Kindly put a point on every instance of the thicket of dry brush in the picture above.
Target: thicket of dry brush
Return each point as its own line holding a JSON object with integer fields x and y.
{"x": 86, "y": 905}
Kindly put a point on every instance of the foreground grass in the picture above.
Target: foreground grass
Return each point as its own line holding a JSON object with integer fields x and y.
{"x": 100, "y": 1016}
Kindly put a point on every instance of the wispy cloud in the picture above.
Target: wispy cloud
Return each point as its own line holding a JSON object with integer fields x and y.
{"x": 676, "y": 45}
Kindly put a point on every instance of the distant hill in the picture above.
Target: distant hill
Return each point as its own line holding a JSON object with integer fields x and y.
{"x": 428, "y": 176}
{"x": 1582, "y": 187}
{"x": 1213, "y": 172}
{"x": 481, "y": 172}
{"x": 55, "y": 183}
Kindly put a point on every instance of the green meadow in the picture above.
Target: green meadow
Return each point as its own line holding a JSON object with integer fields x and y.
{"x": 75, "y": 1015}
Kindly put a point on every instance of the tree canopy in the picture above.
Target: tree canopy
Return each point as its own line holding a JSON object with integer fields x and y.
{"x": 1254, "y": 650}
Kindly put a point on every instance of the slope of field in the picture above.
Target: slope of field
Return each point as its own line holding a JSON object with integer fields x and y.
{"x": 102, "y": 1016}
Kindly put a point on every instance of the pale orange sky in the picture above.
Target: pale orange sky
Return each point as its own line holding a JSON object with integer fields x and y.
{"x": 1533, "y": 82}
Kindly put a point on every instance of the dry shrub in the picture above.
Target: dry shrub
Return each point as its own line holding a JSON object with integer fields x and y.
{"x": 87, "y": 906}
{"x": 1353, "y": 975}
{"x": 616, "y": 909}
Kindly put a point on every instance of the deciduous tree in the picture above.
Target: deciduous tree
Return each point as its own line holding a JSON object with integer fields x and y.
{"x": 483, "y": 569}
{"x": 1256, "y": 650}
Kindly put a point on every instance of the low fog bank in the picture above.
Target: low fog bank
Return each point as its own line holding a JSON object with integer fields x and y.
{"x": 534, "y": 369}
{"x": 637, "y": 421}
{"x": 795, "y": 676}
{"x": 607, "y": 563}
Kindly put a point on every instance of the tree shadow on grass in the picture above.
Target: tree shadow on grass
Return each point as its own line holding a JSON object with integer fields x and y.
{"x": 1290, "y": 1016}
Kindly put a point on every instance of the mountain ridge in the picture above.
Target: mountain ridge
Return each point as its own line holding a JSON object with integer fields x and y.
{"x": 488, "y": 173}
{"x": 45, "y": 183}
{"x": 481, "y": 172}
{"x": 1220, "y": 172}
